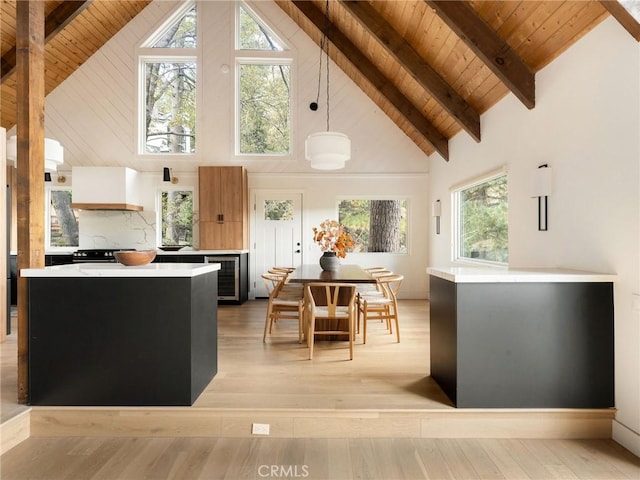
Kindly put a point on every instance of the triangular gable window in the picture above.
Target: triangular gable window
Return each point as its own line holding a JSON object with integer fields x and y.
{"x": 254, "y": 34}
{"x": 181, "y": 33}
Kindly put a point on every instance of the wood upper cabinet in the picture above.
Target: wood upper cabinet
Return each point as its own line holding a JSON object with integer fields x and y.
{"x": 224, "y": 211}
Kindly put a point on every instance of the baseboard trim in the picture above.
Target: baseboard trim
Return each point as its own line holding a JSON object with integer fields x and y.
{"x": 626, "y": 437}
{"x": 205, "y": 422}
{"x": 15, "y": 430}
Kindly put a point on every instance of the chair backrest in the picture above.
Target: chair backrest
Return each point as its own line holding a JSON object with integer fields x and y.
{"x": 391, "y": 285}
{"x": 272, "y": 283}
{"x": 330, "y": 295}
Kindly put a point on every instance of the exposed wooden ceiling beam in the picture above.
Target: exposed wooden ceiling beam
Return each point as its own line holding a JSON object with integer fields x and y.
{"x": 377, "y": 78}
{"x": 623, "y": 17}
{"x": 489, "y": 47}
{"x": 416, "y": 66}
{"x": 55, "y": 21}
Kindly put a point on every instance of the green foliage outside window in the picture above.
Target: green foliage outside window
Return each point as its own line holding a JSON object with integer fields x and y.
{"x": 177, "y": 217}
{"x": 253, "y": 35}
{"x": 279, "y": 210}
{"x": 170, "y": 91}
{"x": 264, "y": 108}
{"x": 483, "y": 221}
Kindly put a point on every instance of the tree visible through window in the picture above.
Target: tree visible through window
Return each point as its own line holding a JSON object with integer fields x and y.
{"x": 482, "y": 221}
{"x": 63, "y": 220}
{"x": 177, "y": 217}
{"x": 170, "y": 88}
{"x": 264, "y": 88}
{"x": 375, "y": 225}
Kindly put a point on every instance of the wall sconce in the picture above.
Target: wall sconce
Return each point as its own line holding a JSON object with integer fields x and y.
{"x": 541, "y": 189}
{"x": 436, "y": 211}
{"x": 47, "y": 176}
{"x": 62, "y": 179}
{"x": 167, "y": 176}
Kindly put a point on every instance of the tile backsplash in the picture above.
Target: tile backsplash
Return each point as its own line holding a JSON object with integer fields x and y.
{"x": 117, "y": 229}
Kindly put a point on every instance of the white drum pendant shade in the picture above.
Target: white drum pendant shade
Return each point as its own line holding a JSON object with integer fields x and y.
{"x": 327, "y": 150}
{"x": 53, "y": 153}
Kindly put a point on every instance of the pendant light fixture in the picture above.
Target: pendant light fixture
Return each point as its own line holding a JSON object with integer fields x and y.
{"x": 326, "y": 150}
{"x": 53, "y": 153}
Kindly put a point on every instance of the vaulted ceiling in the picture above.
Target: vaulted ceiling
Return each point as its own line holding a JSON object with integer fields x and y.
{"x": 432, "y": 66}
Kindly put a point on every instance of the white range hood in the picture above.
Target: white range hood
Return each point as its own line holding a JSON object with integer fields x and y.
{"x": 105, "y": 188}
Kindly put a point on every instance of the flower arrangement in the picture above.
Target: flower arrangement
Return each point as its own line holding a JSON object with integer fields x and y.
{"x": 332, "y": 238}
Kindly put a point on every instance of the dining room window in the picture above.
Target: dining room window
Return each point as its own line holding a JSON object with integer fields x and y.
{"x": 375, "y": 224}
{"x": 481, "y": 227}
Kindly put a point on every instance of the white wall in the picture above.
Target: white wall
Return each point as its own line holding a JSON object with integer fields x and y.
{"x": 93, "y": 113}
{"x": 586, "y": 126}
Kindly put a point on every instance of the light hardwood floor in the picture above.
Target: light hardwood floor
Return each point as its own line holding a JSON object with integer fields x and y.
{"x": 385, "y": 378}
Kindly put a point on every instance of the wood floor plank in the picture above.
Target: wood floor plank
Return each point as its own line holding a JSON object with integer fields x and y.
{"x": 120, "y": 458}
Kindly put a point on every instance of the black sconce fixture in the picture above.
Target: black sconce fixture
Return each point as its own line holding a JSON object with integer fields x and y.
{"x": 47, "y": 176}
{"x": 542, "y": 190}
{"x": 437, "y": 212}
{"x": 167, "y": 176}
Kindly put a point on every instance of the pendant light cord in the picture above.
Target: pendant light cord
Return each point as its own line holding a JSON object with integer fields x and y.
{"x": 324, "y": 49}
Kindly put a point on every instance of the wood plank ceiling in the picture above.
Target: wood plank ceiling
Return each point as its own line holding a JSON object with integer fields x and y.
{"x": 432, "y": 66}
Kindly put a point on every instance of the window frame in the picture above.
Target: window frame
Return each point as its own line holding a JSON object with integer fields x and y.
{"x": 47, "y": 220}
{"x": 146, "y": 53}
{"x": 262, "y": 57}
{"x": 266, "y": 62}
{"x": 382, "y": 197}
{"x": 159, "y": 218}
{"x": 456, "y": 241}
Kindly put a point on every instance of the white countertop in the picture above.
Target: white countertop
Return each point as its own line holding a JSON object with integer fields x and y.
{"x": 122, "y": 271}
{"x": 515, "y": 275}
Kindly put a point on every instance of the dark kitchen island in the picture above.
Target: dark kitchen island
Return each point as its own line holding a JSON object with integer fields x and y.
{"x": 107, "y": 334}
{"x": 503, "y": 338}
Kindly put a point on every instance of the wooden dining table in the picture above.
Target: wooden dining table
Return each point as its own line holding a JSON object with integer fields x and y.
{"x": 313, "y": 273}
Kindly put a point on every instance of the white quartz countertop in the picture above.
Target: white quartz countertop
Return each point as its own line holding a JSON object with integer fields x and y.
{"x": 515, "y": 275}
{"x": 152, "y": 270}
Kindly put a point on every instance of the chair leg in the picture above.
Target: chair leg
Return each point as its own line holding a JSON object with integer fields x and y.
{"x": 300, "y": 321}
{"x": 365, "y": 316}
{"x": 397, "y": 325}
{"x": 351, "y": 335}
{"x": 312, "y": 329}
{"x": 267, "y": 324}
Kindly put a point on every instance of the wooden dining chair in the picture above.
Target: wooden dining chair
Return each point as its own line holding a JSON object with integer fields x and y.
{"x": 282, "y": 304}
{"x": 381, "y": 307}
{"x": 331, "y": 305}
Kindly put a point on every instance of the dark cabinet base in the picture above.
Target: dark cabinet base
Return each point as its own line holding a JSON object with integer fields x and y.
{"x": 121, "y": 341}
{"x": 523, "y": 345}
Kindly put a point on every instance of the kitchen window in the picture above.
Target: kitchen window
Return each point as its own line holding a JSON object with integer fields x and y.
{"x": 168, "y": 74}
{"x": 481, "y": 227}
{"x": 376, "y": 225}
{"x": 61, "y": 220}
{"x": 263, "y": 88}
{"x": 176, "y": 217}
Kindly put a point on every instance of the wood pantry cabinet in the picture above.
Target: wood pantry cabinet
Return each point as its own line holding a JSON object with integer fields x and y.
{"x": 224, "y": 208}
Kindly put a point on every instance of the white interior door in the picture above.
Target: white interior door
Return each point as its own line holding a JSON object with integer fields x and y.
{"x": 278, "y": 233}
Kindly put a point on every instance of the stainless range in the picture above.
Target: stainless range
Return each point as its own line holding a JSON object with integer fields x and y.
{"x": 97, "y": 255}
